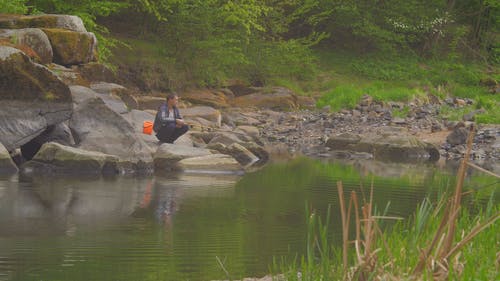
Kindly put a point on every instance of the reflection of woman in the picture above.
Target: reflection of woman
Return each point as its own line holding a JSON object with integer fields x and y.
{"x": 161, "y": 200}
{"x": 166, "y": 204}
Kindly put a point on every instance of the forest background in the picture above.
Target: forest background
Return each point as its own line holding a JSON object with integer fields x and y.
{"x": 334, "y": 50}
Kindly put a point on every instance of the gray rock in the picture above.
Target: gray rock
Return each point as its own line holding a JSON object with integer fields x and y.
{"x": 150, "y": 103}
{"x": 257, "y": 150}
{"x": 54, "y": 157}
{"x": 342, "y": 141}
{"x": 399, "y": 147}
{"x": 96, "y": 72}
{"x": 249, "y": 130}
{"x": 205, "y": 112}
{"x": 237, "y": 151}
{"x": 68, "y": 22}
{"x": 59, "y": 133}
{"x": 458, "y": 136}
{"x": 32, "y": 98}
{"x": 7, "y": 166}
{"x": 33, "y": 38}
{"x": 213, "y": 163}
{"x": 168, "y": 155}
{"x": 97, "y": 128}
{"x": 225, "y": 138}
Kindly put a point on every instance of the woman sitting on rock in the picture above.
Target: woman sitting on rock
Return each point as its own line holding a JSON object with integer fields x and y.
{"x": 169, "y": 124}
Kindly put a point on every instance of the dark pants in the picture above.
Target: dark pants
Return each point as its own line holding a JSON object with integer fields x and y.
{"x": 170, "y": 133}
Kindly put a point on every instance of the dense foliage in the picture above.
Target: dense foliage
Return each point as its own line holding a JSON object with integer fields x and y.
{"x": 399, "y": 45}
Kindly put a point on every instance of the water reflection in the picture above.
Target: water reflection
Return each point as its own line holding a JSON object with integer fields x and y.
{"x": 162, "y": 196}
{"x": 173, "y": 227}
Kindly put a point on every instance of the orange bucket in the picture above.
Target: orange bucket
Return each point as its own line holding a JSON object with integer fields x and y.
{"x": 147, "y": 127}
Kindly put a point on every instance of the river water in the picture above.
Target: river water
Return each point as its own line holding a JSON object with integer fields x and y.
{"x": 189, "y": 226}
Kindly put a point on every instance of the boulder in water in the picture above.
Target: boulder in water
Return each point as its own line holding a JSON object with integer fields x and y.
{"x": 54, "y": 157}
{"x": 7, "y": 166}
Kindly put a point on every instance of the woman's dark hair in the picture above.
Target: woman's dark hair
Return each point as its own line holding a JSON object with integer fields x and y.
{"x": 171, "y": 96}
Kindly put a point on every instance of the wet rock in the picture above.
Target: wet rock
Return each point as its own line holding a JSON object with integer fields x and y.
{"x": 385, "y": 147}
{"x": 211, "y": 163}
{"x": 168, "y": 155}
{"x": 343, "y": 141}
{"x": 54, "y": 157}
{"x": 458, "y": 136}
{"x": 237, "y": 151}
{"x": 257, "y": 150}
{"x": 7, "y": 166}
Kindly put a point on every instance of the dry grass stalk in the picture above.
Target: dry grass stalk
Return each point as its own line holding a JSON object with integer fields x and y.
{"x": 442, "y": 243}
{"x": 345, "y": 228}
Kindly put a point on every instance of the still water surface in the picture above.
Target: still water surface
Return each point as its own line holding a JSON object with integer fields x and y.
{"x": 181, "y": 227}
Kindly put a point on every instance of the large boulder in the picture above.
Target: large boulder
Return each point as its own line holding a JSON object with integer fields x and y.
{"x": 398, "y": 147}
{"x": 68, "y": 75}
{"x": 205, "y": 112}
{"x": 137, "y": 118}
{"x": 237, "y": 151}
{"x": 149, "y": 102}
{"x": 7, "y": 166}
{"x": 213, "y": 98}
{"x": 168, "y": 155}
{"x": 33, "y": 38}
{"x": 278, "y": 98}
{"x": 54, "y": 157}
{"x": 68, "y": 22}
{"x": 98, "y": 128}
{"x": 32, "y": 98}
{"x": 72, "y": 47}
{"x": 214, "y": 163}
{"x": 225, "y": 138}
{"x": 59, "y": 133}
{"x": 96, "y": 72}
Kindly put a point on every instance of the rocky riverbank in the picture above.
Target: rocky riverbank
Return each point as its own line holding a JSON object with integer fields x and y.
{"x": 62, "y": 111}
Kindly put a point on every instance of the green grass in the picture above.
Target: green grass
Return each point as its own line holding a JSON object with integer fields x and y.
{"x": 399, "y": 247}
{"x": 344, "y": 77}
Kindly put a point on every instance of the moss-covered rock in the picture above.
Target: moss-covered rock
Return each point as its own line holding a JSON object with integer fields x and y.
{"x": 68, "y": 22}
{"x": 32, "y": 38}
{"x": 96, "y": 72}
{"x": 71, "y": 47}
{"x": 21, "y": 79}
{"x": 31, "y": 98}
{"x": 274, "y": 98}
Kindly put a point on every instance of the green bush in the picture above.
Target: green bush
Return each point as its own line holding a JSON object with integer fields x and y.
{"x": 13, "y": 6}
